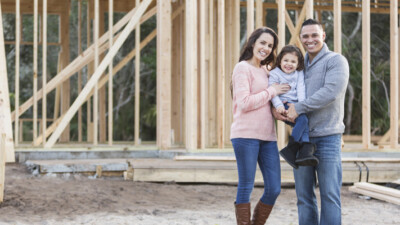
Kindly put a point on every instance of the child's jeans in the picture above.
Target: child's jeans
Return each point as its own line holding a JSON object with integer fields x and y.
{"x": 300, "y": 132}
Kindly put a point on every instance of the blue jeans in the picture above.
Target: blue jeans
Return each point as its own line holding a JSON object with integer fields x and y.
{"x": 329, "y": 174}
{"x": 300, "y": 132}
{"x": 248, "y": 152}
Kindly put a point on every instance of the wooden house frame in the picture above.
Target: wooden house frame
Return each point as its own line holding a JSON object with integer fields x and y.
{"x": 197, "y": 48}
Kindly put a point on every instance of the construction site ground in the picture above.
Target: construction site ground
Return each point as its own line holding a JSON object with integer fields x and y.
{"x": 84, "y": 199}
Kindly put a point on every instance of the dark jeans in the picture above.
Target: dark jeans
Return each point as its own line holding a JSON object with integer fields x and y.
{"x": 300, "y": 132}
{"x": 248, "y": 152}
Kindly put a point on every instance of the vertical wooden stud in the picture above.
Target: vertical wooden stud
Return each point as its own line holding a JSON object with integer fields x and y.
{"x": 212, "y": 128}
{"x": 35, "y": 69}
{"x": 96, "y": 64}
{"x": 309, "y": 4}
{"x": 2, "y": 165}
{"x": 281, "y": 130}
{"x": 101, "y": 101}
{"x": 66, "y": 85}
{"x": 366, "y": 74}
{"x": 110, "y": 72}
{"x": 17, "y": 60}
{"x": 137, "y": 80}
{"x": 44, "y": 71}
{"x": 164, "y": 27}
{"x": 191, "y": 74}
{"x": 221, "y": 70}
{"x": 259, "y": 13}
{"x": 89, "y": 124}
{"x": 203, "y": 74}
{"x": 5, "y": 112}
{"x": 250, "y": 17}
{"x": 337, "y": 26}
{"x": 80, "y": 72}
{"x": 394, "y": 75}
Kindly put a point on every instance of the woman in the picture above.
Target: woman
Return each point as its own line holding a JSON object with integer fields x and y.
{"x": 253, "y": 130}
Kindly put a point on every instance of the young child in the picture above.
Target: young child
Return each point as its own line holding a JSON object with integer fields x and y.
{"x": 289, "y": 70}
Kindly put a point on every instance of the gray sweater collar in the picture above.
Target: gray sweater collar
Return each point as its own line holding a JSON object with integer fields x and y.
{"x": 320, "y": 54}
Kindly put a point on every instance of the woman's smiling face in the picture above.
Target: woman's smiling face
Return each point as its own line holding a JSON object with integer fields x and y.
{"x": 263, "y": 47}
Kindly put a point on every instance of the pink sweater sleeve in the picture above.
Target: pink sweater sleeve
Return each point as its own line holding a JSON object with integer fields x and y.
{"x": 247, "y": 101}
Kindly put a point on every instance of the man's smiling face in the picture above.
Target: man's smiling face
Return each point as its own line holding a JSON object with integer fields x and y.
{"x": 312, "y": 37}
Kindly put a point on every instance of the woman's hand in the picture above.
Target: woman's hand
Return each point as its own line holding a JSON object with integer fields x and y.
{"x": 277, "y": 115}
{"x": 281, "y": 88}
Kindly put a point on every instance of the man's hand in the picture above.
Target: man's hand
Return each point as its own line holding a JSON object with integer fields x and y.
{"x": 292, "y": 114}
{"x": 278, "y": 115}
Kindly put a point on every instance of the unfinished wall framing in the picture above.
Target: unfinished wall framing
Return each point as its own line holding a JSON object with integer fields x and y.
{"x": 198, "y": 44}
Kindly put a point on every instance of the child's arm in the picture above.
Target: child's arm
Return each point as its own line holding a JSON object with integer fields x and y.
{"x": 301, "y": 87}
{"x": 274, "y": 79}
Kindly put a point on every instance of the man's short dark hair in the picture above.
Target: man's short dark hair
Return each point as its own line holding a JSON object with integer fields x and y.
{"x": 311, "y": 22}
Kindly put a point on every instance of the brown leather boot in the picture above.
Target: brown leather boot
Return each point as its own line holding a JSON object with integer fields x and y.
{"x": 242, "y": 213}
{"x": 261, "y": 213}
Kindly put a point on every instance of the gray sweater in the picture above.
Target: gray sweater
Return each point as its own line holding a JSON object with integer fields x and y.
{"x": 326, "y": 79}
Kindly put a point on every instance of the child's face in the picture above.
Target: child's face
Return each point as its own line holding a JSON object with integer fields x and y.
{"x": 289, "y": 63}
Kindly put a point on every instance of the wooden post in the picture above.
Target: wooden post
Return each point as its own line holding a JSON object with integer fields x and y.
{"x": 80, "y": 72}
{"x": 259, "y": 13}
{"x": 366, "y": 74}
{"x": 17, "y": 57}
{"x": 89, "y": 124}
{"x": 66, "y": 85}
{"x": 164, "y": 27}
{"x": 5, "y": 115}
{"x": 137, "y": 77}
{"x": 110, "y": 72}
{"x": 221, "y": 69}
{"x": 337, "y": 26}
{"x": 228, "y": 67}
{"x": 177, "y": 89}
{"x": 394, "y": 75}
{"x": 44, "y": 71}
{"x": 35, "y": 70}
{"x": 309, "y": 4}
{"x": 190, "y": 74}
{"x": 203, "y": 74}
{"x": 96, "y": 64}
{"x": 2, "y": 165}
{"x": 102, "y": 108}
{"x": 212, "y": 120}
{"x": 281, "y": 130}
{"x": 99, "y": 71}
{"x": 250, "y": 17}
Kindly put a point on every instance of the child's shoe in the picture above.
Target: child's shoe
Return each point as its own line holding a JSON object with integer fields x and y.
{"x": 306, "y": 157}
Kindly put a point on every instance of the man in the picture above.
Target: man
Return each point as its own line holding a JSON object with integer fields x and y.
{"x": 326, "y": 77}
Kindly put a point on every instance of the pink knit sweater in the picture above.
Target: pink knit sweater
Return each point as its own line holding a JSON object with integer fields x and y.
{"x": 252, "y": 117}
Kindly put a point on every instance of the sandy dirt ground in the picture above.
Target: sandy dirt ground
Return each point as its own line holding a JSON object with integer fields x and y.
{"x": 78, "y": 199}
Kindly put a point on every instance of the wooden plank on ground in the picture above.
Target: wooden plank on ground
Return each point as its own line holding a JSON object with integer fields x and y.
{"x": 376, "y": 195}
{"x": 379, "y": 189}
{"x": 5, "y": 115}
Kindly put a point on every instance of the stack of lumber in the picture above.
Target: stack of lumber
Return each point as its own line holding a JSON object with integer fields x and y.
{"x": 376, "y": 191}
